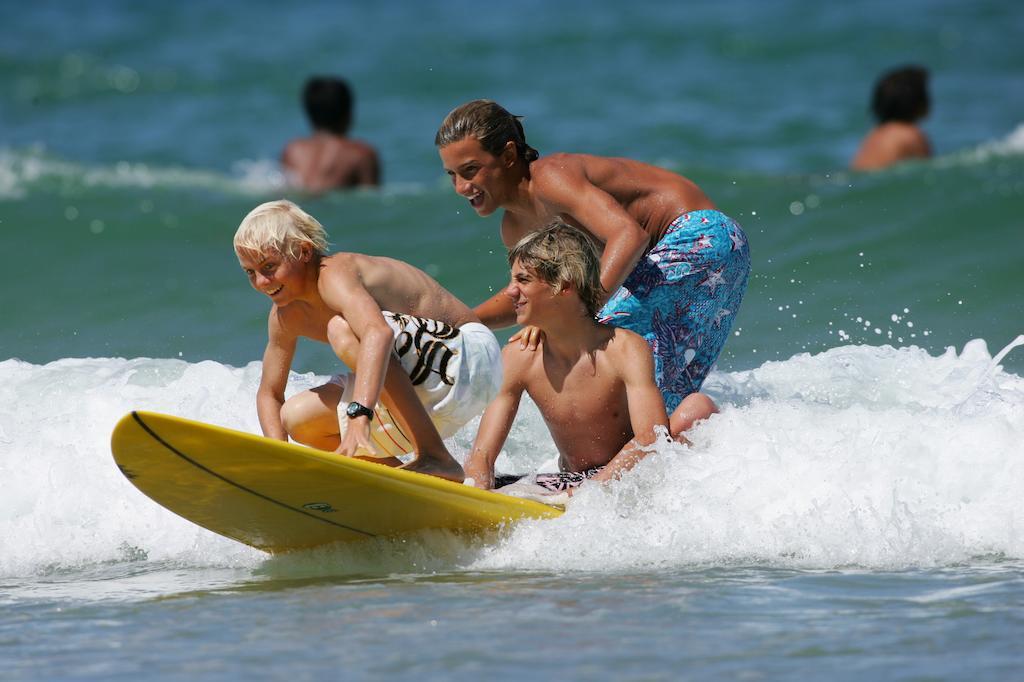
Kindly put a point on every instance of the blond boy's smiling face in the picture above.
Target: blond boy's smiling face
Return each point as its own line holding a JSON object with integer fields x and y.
{"x": 280, "y": 277}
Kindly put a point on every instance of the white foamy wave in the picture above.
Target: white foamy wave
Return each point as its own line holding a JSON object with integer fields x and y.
{"x": 861, "y": 456}
{"x": 65, "y": 503}
{"x": 23, "y": 170}
{"x": 1011, "y": 145}
{"x": 870, "y": 456}
{"x": 20, "y": 171}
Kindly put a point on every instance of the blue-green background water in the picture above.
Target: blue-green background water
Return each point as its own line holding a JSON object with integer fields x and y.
{"x": 854, "y": 510}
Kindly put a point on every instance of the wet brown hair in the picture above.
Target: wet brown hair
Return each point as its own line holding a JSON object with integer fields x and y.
{"x": 490, "y": 123}
{"x": 561, "y": 254}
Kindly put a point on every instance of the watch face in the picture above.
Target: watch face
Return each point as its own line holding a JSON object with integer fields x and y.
{"x": 354, "y": 410}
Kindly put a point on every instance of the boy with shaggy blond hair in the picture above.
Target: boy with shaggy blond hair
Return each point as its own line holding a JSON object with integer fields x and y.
{"x": 421, "y": 363}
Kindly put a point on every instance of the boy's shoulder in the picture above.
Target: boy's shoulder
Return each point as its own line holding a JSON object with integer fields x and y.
{"x": 338, "y": 259}
{"x": 342, "y": 267}
{"x": 359, "y": 147}
{"x": 624, "y": 338}
{"x": 515, "y": 357}
{"x": 899, "y": 138}
{"x": 555, "y": 166}
{"x": 626, "y": 346}
{"x": 349, "y": 262}
{"x": 521, "y": 363}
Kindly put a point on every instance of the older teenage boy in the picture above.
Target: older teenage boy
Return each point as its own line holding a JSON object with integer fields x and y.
{"x": 410, "y": 344}
{"x": 674, "y": 268}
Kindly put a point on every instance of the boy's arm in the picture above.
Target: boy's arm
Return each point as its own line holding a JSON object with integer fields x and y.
{"x": 277, "y": 361}
{"x": 495, "y": 424}
{"x": 567, "y": 190}
{"x": 497, "y": 312}
{"x": 342, "y": 290}
{"x": 646, "y": 407}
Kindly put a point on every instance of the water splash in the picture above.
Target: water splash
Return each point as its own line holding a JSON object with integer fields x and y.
{"x": 858, "y": 456}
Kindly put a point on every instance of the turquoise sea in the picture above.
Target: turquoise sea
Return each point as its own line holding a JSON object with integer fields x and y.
{"x": 853, "y": 512}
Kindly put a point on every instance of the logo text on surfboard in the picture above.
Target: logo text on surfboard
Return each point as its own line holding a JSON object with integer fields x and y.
{"x": 324, "y": 507}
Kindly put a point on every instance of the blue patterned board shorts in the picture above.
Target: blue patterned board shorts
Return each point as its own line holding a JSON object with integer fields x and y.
{"x": 682, "y": 297}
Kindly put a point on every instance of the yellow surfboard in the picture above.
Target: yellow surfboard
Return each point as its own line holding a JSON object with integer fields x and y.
{"x": 280, "y": 497}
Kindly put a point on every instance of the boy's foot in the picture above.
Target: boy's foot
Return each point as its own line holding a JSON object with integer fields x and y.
{"x": 387, "y": 461}
{"x": 446, "y": 468}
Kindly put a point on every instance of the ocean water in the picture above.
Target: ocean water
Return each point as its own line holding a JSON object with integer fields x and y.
{"x": 854, "y": 510}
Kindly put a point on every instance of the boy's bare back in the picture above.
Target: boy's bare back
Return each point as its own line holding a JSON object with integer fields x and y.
{"x": 325, "y": 161}
{"x": 393, "y": 285}
{"x": 651, "y": 195}
{"x": 890, "y": 143}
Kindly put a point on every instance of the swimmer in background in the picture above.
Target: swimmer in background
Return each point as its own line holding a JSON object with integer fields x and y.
{"x": 900, "y": 100}
{"x": 329, "y": 159}
{"x": 674, "y": 269}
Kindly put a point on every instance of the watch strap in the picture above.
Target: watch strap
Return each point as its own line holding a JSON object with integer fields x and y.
{"x": 355, "y": 409}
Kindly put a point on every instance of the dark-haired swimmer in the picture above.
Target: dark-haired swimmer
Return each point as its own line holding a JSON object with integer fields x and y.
{"x": 329, "y": 159}
{"x": 900, "y": 100}
{"x": 675, "y": 266}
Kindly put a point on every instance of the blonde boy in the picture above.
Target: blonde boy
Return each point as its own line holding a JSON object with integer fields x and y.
{"x": 421, "y": 363}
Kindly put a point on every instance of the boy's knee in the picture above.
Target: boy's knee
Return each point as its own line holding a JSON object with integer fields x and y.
{"x": 700, "y": 404}
{"x": 341, "y": 337}
{"x": 693, "y": 408}
{"x": 296, "y": 413}
{"x": 290, "y": 418}
{"x": 311, "y": 417}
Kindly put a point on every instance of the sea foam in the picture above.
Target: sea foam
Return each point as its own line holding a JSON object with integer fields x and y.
{"x": 857, "y": 456}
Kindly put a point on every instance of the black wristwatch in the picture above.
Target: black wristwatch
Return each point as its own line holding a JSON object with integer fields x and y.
{"x": 355, "y": 409}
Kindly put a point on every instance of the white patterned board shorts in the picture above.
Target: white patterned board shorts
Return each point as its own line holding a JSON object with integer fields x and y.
{"x": 455, "y": 371}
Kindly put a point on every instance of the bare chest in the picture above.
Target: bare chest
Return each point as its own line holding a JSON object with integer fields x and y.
{"x": 580, "y": 395}
{"x": 587, "y": 415}
{"x": 306, "y": 322}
